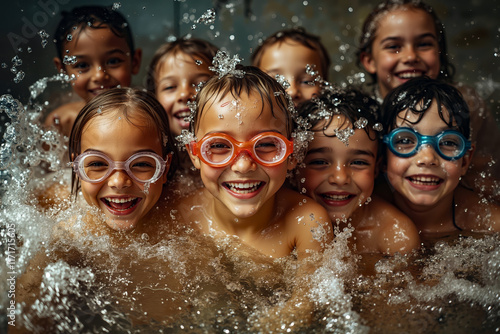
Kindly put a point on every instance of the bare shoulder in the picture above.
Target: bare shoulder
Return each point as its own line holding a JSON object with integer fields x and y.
{"x": 298, "y": 205}
{"x": 397, "y": 232}
{"x": 475, "y": 213}
{"x": 191, "y": 209}
{"x": 64, "y": 116}
{"x": 303, "y": 216}
{"x": 72, "y": 108}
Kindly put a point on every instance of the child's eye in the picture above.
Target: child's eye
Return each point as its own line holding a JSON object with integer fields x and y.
{"x": 393, "y": 47}
{"x": 114, "y": 61}
{"x": 404, "y": 141}
{"x": 318, "y": 163}
{"x": 142, "y": 164}
{"x": 360, "y": 163}
{"x": 167, "y": 88}
{"x": 81, "y": 66}
{"x": 96, "y": 164}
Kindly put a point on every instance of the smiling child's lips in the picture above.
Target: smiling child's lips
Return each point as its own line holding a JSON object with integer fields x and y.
{"x": 409, "y": 74}
{"x": 425, "y": 182}
{"x": 337, "y": 198}
{"x": 121, "y": 206}
{"x": 244, "y": 189}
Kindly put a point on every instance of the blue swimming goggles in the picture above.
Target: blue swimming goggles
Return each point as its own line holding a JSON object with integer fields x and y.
{"x": 406, "y": 142}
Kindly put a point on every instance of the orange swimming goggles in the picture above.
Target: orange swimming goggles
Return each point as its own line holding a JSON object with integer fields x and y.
{"x": 219, "y": 149}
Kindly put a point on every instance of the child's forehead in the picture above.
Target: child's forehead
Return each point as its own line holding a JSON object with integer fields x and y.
{"x": 241, "y": 112}
{"x": 118, "y": 116}
{"x": 428, "y": 115}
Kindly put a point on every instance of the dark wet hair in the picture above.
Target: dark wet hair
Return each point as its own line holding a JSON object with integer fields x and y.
{"x": 415, "y": 97}
{"x": 370, "y": 27}
{"x": 195, "y": 47}
{"x": 298, "y": 35}
{"x": 133, "y": 104}
{"x": 93, "y": 17}
{"x": 244, "y": 79}
{"x": 349, "y": 102}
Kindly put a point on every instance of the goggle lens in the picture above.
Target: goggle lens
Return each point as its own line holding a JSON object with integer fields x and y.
{"x": 219, "y": 149}
{"x": 449, "y": 144}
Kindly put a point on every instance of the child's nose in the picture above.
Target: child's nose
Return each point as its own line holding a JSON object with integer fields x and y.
{"x": 339, "y": 175}
{"x": 409, "y": 54}
{"x": 99, "y": 74}
{"x": 427, "y": 156}
{"x": 186, "y": 92}
{"x": 294, "y": 90}
{"x": 243, "y": 163}
{"x": 119, "y": 179}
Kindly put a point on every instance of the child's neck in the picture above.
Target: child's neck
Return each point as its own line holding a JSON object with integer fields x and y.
{"x": 243, "y": 227}
{"x": 428, "y": 219}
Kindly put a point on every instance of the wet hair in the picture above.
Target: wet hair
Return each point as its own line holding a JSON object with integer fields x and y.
{"x": 371, "y": 25}
{"x": 253, "y": 80}
{"x": 194, "y": 47}
{"x": 415, "y": 97}
{"x": 349, "y": 102}
{"x": 300, "y": 36}
{"x": 133, "y": 104}
{"x": 91, "y": 17}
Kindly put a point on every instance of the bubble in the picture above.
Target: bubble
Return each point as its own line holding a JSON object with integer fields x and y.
{"x": 19, "y": 76}
{"x": 116, "y": 6}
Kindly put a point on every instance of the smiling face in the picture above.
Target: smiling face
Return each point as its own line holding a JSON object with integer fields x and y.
{"x": 339, "y": 177}
{"x": 176, "y": 78}
{"x": 123, "y": 200}
{"x": 405, "y": 46}
{"x": 289, "y": 58}
{"x": 425, "y": 179}
{"x": 244, "y": 186}
{"x": 103, "y": 61}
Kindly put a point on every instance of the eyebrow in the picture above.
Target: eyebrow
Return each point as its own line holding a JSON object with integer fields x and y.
{"x": 110, "y": 52}
{"x": 395, "y": 38}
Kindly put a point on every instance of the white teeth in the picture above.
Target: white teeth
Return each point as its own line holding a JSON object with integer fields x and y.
{"x": 409, "y": 75}
{"x": 182, "y": 114}
{"x": 120, "y": 200}
{"x": 244, "y": 188}
{"x": 336, "y": 197}
{"x": 425, "y": 180}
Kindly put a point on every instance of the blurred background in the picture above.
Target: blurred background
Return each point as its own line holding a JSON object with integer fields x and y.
{"x": 472, "y": 27}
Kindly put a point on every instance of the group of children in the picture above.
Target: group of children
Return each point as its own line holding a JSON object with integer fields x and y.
{"x": 280, "y": 167}
{"x": 241, "y": 135}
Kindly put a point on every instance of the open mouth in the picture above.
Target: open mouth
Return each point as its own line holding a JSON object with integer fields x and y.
{"x": 425, "y": 180}
{"x": 243, "y": 187}
{"x": 337, "y": 197}
{"x": 121, "y": 206}
{"x": 181, "y": 115}
{"x": 409, "y": 75}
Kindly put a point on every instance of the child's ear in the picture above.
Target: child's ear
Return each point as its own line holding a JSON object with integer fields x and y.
{"x": 467, "y": 158}
{"x": 368, "y": 62}
{"x": 194, "y": 159}
{"x": 136, "y": 61}
{"x": 59, "y": 65}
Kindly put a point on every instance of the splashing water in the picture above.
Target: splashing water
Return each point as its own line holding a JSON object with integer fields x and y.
{"x": 223, "y": 64}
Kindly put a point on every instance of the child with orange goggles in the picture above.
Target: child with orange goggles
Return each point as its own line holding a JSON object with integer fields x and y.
{"x": 244, "y": 155}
